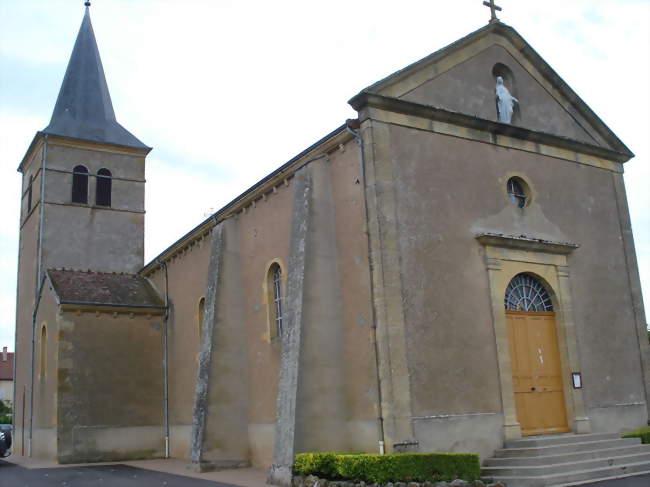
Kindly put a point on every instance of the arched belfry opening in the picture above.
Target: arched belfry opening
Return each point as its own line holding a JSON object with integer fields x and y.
{"x": 103, "y": 187}
{"x": 535, "y": 357}
{"x": 80, "y": 185}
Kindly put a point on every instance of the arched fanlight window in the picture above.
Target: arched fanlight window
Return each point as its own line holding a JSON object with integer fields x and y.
{"x": 29, "y": 193}
{"x": 201, "y": 315}
{"x": 80, "y": 185}
{"x": 275, "y": 302}
{"x": 43, "y": 351}
{"x": 526, "y": 293}
{"x": 103, "y": 190}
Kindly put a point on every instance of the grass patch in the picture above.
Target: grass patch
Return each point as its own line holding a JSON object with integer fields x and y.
{"x": 399, "y": 467}
{"x": 643, "y": 433}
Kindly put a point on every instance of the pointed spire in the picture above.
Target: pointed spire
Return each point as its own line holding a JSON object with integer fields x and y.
{"x": 83, "y": 109}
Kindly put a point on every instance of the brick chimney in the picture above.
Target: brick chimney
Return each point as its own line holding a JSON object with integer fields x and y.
{"x": 4, "y": 354}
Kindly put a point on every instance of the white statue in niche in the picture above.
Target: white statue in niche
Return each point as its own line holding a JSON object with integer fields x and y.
{"x": 505, "y": 102}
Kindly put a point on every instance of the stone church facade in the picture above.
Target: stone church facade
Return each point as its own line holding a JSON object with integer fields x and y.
{"x": 423, "y": 278}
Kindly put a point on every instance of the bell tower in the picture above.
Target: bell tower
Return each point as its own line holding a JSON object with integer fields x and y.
{"x": 83, "y": 181}
{"x": 83, "y": 177}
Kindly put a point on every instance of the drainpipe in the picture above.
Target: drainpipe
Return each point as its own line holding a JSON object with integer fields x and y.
{"x": 163, "y": 265}
{"x": 349, "y": 125}
{"x": 37, "y": 295}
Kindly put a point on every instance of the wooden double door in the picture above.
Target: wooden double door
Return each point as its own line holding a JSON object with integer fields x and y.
{"x": 536, "y": 372}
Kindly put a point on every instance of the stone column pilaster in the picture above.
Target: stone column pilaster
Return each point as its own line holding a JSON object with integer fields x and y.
{"x": 280, "y": 472}
{"x": 386, "y": 278}
{"x": 205, "y": 355}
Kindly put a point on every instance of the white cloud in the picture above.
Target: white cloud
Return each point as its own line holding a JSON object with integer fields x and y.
{"x": 227, "y": 91}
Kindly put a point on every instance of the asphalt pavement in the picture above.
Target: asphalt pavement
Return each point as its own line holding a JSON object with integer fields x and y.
{"x": 12, "y": 475}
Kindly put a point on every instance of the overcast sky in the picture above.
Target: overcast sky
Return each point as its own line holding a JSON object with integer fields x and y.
{"x": 226, "y": 91}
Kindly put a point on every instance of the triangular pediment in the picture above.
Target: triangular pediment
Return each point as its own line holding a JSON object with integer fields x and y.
{"x": 461, "y": 78}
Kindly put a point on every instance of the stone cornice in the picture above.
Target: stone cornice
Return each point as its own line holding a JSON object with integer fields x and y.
{"x": 524, "y": 242}
{"x": 493, "y": 129}
{"x": 280, "y": 176}
{"x": 110, "y": 308}
{"x": 80, "y": 144}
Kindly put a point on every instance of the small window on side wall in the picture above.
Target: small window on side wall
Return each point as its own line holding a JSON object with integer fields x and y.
{"x": 274, "y": 300}
{"x": 104, "y": 187}
{"x": 80, "y": 185}
{"x": 201, "y": 315}
{"x": 43, "y": 352}
{"x": 29, "y": 193}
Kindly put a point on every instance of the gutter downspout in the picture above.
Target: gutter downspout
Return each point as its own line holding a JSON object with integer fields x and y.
{"x": 362, "y": 175}
{"x": 163, "y": 265}
{"x": 37, "y": 295}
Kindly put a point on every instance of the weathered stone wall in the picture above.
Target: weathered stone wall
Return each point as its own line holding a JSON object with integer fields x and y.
{"x": 187, "y": 274}
{"x": 337, "y": 356}
{"x": 291, "y": 336}
{"x": 45, "y": 384}
{"x": 110, "y": 395}
{"x": 440, "y": 208}
{"x": 27, "y": 268}
{"x": 81, "y": 236}
{"x": 220, "y": 416}
{"x": 74, "y": 236}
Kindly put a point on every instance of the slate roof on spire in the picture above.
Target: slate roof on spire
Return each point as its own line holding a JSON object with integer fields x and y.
{"x": 83, "y": 109}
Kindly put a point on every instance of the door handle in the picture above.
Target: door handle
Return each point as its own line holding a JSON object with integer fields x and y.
{"x": 532, "y": 388}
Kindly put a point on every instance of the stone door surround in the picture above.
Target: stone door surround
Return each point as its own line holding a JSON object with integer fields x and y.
{"x": 506, "y": 257}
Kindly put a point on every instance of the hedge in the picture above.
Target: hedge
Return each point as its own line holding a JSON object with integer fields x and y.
{"x": 643, "y": 433}
{"x": 399, "y": 467}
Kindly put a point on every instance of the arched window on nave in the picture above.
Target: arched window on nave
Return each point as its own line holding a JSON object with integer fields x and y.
{"x": 274, "y": 300}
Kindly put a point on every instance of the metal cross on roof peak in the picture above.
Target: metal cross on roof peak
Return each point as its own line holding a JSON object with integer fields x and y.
{"x": 493, "y": 9}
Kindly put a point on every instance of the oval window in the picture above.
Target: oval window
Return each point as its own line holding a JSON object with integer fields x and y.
{"x": 518, "y": 192}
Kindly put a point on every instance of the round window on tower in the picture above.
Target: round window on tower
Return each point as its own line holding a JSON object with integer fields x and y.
{"x": 518, "y": 192}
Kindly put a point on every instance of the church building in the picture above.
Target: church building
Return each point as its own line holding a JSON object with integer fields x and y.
{"x": 451, "y": 270}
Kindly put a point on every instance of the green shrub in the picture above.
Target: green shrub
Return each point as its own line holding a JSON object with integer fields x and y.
{"x": 399, "y": 467}
{"x": 4, "y": 407}
{"x": 643, "y": 433}
{"x": 5, "y": 412}
{"x": 320, "y": 464}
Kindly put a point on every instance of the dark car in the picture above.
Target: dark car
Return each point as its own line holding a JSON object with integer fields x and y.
{"x": 5, "y": 440}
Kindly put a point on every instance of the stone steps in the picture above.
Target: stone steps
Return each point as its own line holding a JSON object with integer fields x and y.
{"x": 568, "y": 457}
{"x": 562, "y": 439}
{"x": 562, "y": 449}
{"x": 554, "y": 468}
{"x": 560, "y": 460}
{"x": 616, "y": 477}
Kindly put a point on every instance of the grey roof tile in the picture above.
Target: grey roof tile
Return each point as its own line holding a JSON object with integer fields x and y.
{"x": 83, "y": 109}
